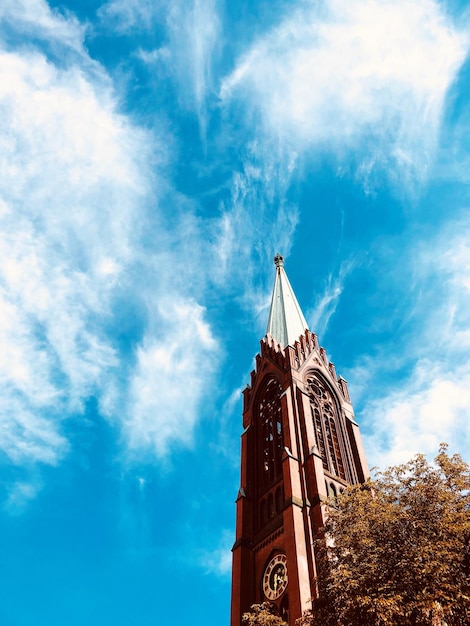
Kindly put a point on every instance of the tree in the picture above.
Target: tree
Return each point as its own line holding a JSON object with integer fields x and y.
{"x": 264, "y": 614}
{"x": 396, "y": 550}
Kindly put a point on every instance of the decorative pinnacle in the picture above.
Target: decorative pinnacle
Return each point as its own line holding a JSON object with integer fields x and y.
{"x": 279, "y": 260}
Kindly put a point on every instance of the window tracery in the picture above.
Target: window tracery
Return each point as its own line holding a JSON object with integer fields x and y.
{"x": 270, "y": 432}
{"x": 324, "y": 416}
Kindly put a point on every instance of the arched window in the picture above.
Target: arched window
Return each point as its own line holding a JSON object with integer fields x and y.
{"x": 325, "y": 417}
{"x": 279, "y": 499}
{"x": 263, "y": 512}
{"x": 270, "y": 432}
{"x": 271, "y": 510}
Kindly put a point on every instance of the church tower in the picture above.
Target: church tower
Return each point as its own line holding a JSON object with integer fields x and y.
{"x": 300, "y": 445}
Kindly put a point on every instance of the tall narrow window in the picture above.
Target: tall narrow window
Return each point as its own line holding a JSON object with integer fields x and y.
{"x": 324, "y": 416}
{"x": 279, "y": 499}
{"x": 270, "y": 432}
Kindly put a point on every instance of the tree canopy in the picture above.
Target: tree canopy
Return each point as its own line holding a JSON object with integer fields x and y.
{"x": 396, "y": 550}
{"x": 264, "y": 614}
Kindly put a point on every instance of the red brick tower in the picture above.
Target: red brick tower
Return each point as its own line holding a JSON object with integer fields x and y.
{"x": 300, "y": 444}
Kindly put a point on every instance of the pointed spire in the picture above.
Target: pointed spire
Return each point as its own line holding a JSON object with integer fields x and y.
{"x": 286, "y": 321}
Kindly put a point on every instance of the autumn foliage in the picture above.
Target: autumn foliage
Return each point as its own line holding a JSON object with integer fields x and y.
{"x": 264, "y": 614}
{"x": 396, "y": 550}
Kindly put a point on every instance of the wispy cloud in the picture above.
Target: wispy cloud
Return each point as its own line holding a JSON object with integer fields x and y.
{"x": 83, "y": 233}
{"x": 36, "y": 18}
{"x": 194, "y": 35}
{"x": 327, "y": 302}
{"x": 126, "y": 15}
{"x": 430, "y": 408}
{"x": 20, "y": 495}
{"x": 189, "y": 48}
{"x": 367, "y": 78}
{"x": 78, "y": 232}
{"x": 257, "y": 219}
{"x": 361, "y": 85}
{"x": 219, "y": 560}
{"x": 166, "y": 387}
{"x": 416, "y": 399}
{"x": 65, "y": 240}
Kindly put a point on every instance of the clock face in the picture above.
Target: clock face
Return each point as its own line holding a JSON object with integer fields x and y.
{"x": 275, "y": 577}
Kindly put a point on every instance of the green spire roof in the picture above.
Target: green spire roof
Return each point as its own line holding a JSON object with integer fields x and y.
{"x": 286, "y": 321}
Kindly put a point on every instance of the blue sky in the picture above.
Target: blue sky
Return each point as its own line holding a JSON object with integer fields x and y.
{"x": 154, "y": 156}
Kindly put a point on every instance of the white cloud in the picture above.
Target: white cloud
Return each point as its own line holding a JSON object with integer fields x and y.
{"x": 255, "y": 223}
{"x": 190, "y": 48}
{"x": 28, "y": 437}
{"x": 219, "y": 560}
{"x": 423, "y": 413}
{"x": 418, "y": 396}
{"x": 20, "y": 494}
{"x": 327, "y": 302}
{"x": 368, "y": 77}
{"x": 441, "y": 270}
{"x": 155, "y": 56}
{"x": 68, "y": 187}
{"x": 194, "y": 30}
{"x": 126, "y": 15}
{"x": 36, "y": 18}
{"x": 174, "y": 367}
{"x": 256, "y": 216}
{"x": 363, "y": 81}
{"x": 75, "y": 193}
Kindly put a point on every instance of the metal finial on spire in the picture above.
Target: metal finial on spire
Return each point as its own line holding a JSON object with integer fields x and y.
{"x": 279, "y": 260}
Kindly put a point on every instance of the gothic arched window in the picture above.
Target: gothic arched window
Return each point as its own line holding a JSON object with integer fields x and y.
{"x": 263, "y": 512}
{"x": 279, "y": 499}
{"x": 325, "y": 419}
{"x": 270, "y": 433}
{"x": 271, "y": 509}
